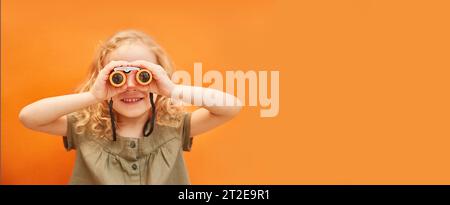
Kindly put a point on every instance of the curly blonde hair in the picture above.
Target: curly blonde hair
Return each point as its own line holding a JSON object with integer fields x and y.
{"x": 96, "y": 117}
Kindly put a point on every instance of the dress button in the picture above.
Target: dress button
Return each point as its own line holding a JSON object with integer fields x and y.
{"x": 133, "y": 144}
{"x": 134, "y": 166}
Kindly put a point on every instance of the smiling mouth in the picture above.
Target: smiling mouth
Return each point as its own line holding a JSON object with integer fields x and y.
{"x": 131, "y": 100}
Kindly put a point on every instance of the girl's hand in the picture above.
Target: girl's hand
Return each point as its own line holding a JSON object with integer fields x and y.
{"x": 102, "y": 89}
{"x": 161, "y": 83}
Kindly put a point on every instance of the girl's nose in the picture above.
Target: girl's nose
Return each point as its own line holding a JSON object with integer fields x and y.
{"x": 131, "y": 79}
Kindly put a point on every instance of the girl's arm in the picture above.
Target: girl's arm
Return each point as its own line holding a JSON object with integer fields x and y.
{"x": 217, "y": 107}
{"x": 49, "y": 115}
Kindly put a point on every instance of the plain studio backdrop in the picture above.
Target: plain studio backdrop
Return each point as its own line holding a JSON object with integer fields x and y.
{"x": 364, "y": 85}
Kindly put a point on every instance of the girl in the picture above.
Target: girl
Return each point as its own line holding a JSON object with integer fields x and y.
{"x": 133, "y": 133}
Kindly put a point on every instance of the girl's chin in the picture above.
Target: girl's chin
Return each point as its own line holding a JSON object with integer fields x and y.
{"x": 132, "y": 114}
{"x": 131, "y": 109}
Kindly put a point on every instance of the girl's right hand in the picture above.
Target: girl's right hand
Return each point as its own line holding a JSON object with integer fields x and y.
{"x": 102, "y": 89}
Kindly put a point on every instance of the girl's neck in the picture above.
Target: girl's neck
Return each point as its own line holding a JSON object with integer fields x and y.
{"x": 131, "y": 127}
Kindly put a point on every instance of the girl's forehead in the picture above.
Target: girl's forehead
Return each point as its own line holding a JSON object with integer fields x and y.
{"x": 132, "y": 52}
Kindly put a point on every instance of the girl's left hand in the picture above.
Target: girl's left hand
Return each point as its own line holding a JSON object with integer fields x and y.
{"x": 161, "y": 83}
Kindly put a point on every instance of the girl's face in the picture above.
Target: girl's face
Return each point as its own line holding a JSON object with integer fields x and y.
{"x": 134, "y": 102}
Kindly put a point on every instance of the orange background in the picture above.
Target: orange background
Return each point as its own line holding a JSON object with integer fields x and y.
{"x": 364, "y": 85}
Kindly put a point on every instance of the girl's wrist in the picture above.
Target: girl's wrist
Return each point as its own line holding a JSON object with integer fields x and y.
{"x": 170, "y": 89}
{"x": 93, "y": 98}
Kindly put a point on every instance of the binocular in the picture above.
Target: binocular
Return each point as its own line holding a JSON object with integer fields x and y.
{"x": 119, "y": 76}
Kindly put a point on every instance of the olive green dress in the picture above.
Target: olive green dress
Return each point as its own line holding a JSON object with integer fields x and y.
{"x": 156, "y": 159}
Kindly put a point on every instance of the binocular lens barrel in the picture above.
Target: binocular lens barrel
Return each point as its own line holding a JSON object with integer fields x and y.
{"x": 117, "y": 78}
{"x": 143, "y": 77}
